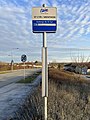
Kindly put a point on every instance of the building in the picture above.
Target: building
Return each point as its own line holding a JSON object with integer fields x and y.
{"x": 77, "y": 68}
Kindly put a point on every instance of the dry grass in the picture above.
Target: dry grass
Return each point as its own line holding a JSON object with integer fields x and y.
{"x": 32, "y": 108}
{"x": 29, "y": 79}
{"x": 69, "y": 99}
{"x": 66, "y": 76}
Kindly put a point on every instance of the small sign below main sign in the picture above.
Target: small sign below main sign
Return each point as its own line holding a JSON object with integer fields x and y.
{"x": 44, "y": 19}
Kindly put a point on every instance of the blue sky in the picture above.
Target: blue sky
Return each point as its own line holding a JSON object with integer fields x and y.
{"x": 71, "y": 39}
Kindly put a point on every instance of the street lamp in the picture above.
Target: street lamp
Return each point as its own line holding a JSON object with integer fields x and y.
{"x": 12, "y": 61}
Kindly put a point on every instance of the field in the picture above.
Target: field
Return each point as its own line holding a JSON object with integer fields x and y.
{"x": 69, "y": 99}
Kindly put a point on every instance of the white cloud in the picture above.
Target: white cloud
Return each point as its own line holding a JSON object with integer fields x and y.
{"x": 16, "y": 28}
{"x": 82, "y": 30}
{"x": 85, "y": 20}
{"x": 88, "y": 31}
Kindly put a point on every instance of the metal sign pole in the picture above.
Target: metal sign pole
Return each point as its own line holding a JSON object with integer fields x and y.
{"x": 12, "y": 61}
{"x": 24, "y": 70}
{"x": 23, "y": 59}
{"x": 12, "y": 67}
{"x": 44, "y": 75}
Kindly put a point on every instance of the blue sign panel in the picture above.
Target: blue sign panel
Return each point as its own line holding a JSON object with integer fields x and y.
{"x": 44, "y": 25}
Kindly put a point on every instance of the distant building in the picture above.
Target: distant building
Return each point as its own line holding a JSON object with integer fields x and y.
{"x": 69, "y": 67}
{"x": 81, "y": 70}
{"x": 31, "y": 64}
{"x": 77, "y": 68}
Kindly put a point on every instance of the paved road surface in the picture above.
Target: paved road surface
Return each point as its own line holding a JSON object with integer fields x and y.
{"x": 86, "y": 77}
{"x": 13, "y": 96}
{"x": 12, "y": 77}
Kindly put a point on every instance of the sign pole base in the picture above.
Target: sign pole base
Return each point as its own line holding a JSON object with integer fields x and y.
{"x": 45, "y": 108}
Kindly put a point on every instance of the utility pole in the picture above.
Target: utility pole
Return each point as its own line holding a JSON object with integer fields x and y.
{"x": 12, "y": 57}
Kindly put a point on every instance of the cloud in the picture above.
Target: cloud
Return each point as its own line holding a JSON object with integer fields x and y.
{"x": 73, "y": 22}
{"x": 82, "y": 30}
{"x": 73, "y": 18}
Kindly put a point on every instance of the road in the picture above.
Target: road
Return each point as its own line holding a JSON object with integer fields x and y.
{"x": 12, "y": 94}
{"x": 12, "y": 77}
{"x": 86, "y": 77}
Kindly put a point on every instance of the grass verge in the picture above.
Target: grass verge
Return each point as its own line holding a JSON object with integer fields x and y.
{"x": 4, "y": 72}
{"x": 29, "y": 79}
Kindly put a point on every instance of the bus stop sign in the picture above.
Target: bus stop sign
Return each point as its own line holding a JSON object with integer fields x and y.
{"x": 44, "y": 19}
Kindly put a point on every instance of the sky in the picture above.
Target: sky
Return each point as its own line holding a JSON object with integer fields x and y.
{"x": 71, "y": 40}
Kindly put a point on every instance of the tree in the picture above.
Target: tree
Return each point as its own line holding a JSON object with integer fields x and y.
{"x": 59, "y": 66}
{"x": 80, "y": 61}
{"x": 36, "y": 61}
